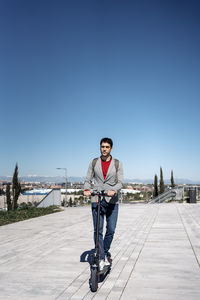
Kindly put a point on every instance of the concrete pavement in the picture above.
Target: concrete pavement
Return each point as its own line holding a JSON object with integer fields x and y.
{"x": 156, "y": 255}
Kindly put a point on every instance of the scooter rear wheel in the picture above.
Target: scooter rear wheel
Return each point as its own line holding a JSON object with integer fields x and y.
{"x": 94, "y": 279}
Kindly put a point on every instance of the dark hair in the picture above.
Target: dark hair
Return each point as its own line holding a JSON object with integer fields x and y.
{"x": 107, "y": 140}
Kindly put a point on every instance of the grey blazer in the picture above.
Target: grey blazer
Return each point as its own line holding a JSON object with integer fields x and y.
{"x": 113, "y": 180}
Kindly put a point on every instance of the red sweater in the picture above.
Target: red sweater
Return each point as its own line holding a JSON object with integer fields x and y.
{"x": 105, "y": 165}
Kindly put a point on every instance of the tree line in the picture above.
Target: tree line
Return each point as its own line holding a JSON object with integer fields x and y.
{"x": 12, "y": 195}
{"x": 161, "y": 188}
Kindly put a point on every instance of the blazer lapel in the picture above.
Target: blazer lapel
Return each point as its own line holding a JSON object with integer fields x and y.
{"x": 110, "y": 169}
{"x": 100, "y": 172}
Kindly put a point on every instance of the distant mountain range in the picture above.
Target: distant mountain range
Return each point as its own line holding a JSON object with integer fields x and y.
{"x": 59, "y": 179}
{"x": 45, "y": 179}
{"x": 167, "y": 181}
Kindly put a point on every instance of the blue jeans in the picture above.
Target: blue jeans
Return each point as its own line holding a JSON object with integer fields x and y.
{"x": 110, "y": 211}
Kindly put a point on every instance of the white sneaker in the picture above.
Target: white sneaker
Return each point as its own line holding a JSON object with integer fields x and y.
{"x": 101, "y": 264}
{"x": 106, "y": 263}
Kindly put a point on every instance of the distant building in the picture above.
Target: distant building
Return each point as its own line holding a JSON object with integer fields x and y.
{"x": 129, "y": 191}
{"x": 37, "y": 192}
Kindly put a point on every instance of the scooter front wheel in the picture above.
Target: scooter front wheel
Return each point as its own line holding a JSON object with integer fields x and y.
{"x": 94, "y": 279}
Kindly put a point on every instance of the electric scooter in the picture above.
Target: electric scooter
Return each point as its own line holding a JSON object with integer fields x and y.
{"x": 96, "y": 273}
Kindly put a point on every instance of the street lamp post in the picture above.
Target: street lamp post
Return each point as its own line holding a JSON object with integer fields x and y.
{"x": 65, "y": 169}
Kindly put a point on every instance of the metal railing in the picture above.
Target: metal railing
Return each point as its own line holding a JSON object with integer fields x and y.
{"x": 166, "y": 196}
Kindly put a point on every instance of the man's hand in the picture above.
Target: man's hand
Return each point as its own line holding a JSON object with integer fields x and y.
{"x": 111, "y": 193}
{"x": 87, "y": 193}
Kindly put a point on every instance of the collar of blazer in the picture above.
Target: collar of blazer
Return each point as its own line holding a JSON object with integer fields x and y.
{"x": 100, "y": 172}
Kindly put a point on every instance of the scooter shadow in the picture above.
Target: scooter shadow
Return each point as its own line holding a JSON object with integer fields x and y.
{"x": 104, "y": 275}
{"x": 88, "y": 256}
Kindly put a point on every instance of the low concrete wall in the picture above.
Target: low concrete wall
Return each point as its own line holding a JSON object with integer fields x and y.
{"x": 22, "y": 199}
{"x": 3, "y": 202}
{"x": 53, "y": 198}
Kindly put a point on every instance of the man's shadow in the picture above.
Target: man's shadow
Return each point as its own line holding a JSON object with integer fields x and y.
{"x": 88, "y": 256}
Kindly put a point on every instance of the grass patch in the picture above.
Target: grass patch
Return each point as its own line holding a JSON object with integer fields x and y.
{"x": 8, "y": 217}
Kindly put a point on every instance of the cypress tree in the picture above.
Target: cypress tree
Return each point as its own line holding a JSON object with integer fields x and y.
{"x": 162, "y": 185}
{"x": 172, "y": 179}
{"x": 8, "y": 198}
{"x": 16, "y": 188}
{"x": 155, "y": 192}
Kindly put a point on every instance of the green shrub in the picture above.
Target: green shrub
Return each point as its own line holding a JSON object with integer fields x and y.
{"x": 25, "y": 212}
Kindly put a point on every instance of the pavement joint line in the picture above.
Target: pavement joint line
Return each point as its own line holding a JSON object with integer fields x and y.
{"x": 145, "y": 224}
{"x": 107, "y": 277}
{"x": 42, "y": 255}
{"x": 120, "y": 254}
{"x": 130, "y": 278}
{"x": 123, "y": 270}
{"x": 83, "y": 272}
{"x": 153, "y": 221}
{"x": 188, "y": 236}
{"x": 191, "y": 216}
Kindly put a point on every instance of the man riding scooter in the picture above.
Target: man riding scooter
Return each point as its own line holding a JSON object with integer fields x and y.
{"x": 107, "y": 173}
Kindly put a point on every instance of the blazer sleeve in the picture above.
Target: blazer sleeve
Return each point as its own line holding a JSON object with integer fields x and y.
{"x": 119, "y": 183}
{"x": 89, "y": 176}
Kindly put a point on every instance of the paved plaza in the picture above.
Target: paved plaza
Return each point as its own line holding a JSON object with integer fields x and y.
{"x": 156, "y": 255}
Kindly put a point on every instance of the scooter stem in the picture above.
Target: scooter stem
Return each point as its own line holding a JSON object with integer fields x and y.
{"x": 97, "y": 232}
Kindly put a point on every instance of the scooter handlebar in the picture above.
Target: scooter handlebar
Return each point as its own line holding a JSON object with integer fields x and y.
{"x": 101, "y": 193}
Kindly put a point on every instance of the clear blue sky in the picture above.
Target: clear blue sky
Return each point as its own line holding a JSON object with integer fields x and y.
{"x": 72, "y": 72}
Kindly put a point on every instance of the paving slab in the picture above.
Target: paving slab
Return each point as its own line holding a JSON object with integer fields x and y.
{"x": 156, "y": 255}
